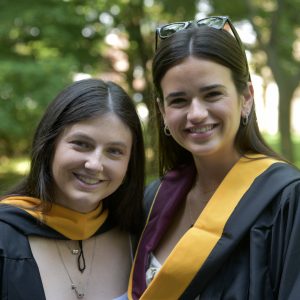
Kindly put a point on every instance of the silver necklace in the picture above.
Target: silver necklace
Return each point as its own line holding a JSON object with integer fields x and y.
{"x": 80, "y": 255}
{"x": 74, "y": 251}
{"x": 80, "y": 287}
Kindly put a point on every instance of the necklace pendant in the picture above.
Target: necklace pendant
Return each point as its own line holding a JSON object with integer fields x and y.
{"x": 74, "y": 251}
{"x": 79, "y": 295}
{"x": 79, "y": 292}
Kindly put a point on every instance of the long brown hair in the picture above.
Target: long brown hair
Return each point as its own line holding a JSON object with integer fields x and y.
{"x": 218, "y": 46}
{"x": 83, "y": 100}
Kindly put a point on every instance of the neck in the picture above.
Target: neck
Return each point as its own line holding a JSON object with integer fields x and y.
{"x": 212, "y": 171}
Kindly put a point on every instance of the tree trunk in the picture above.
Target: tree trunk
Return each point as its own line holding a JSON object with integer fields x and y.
{"x": 284, "y": 118}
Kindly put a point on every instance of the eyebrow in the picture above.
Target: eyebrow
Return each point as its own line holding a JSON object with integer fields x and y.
{"x": 118, "y": 144}
{"x": 175, "y": 94}
{"x": 211, "y": 87}
{"x": 86, "y": 137}
{"x": 79, "y": 135}
{"x": 201, "y": 90}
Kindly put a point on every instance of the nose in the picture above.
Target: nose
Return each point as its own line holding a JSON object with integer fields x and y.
{"x": 197, "y": 111}
{"x": 94, "y": 162}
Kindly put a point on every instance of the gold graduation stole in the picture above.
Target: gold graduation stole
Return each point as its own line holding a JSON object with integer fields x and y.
{"x": 185, "y": 260}
{"x": 72, "y": 224}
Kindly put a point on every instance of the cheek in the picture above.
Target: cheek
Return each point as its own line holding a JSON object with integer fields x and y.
{"x": 120, "y": 170}
{"x": 238, "y": 113}
{"x": 173, "y": 117}
{"x": 59, "y": 153}
{"x": 56, "y": 163}
{"x": 65, "y": 159}
{"x": 231, "y": 111}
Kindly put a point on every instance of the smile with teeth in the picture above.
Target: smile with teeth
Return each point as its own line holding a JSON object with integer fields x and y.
{"x": 88, "y": 180}
{"x": 202, "y": 129}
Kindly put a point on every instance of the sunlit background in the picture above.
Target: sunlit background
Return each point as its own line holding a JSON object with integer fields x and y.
{"x": 266, "y": 94}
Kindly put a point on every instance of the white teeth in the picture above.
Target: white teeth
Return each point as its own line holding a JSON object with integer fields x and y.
{"x": 88, "y": 180}
{"x": 201, "y": 129}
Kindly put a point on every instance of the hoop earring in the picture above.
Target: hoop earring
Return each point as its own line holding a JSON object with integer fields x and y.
{"x": 167, "y": 131}
{"x": 245, "y": 120}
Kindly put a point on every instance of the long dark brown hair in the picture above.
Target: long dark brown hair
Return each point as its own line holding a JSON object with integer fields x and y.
{"x": 218, "y": 46}
{"x": 80, "y": 101}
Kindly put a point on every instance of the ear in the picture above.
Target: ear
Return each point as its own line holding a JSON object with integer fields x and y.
{"x": 247, "y": 100}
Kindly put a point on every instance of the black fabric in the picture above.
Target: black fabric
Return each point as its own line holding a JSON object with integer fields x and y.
{"x": 19, "y": 277}
{"x": 149, "y": 194}
{"x": 258, "y": 254}
{"x": 263, "y": 262}
{"x": 19, "y": 274}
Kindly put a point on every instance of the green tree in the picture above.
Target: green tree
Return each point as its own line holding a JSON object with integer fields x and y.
{"x": 139, "y": 22}
{"x": 44, "y": 43}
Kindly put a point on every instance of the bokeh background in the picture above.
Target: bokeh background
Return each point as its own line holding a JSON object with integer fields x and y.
{"x": 47, "y": 44}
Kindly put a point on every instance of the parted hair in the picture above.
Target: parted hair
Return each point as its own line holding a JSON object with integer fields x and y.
{"x": 79, "y": 101}
{"x": 220, "y": 47}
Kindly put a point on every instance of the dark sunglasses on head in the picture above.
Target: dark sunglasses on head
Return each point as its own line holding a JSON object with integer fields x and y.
{"x": 217, "y": 22}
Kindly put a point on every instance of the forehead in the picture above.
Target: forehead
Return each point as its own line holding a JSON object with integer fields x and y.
{"x": 105, "y": 127}
{"x": 196, "y": 71}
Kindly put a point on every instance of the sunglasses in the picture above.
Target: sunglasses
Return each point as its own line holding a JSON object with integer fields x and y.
{"x": 217, "y": 22}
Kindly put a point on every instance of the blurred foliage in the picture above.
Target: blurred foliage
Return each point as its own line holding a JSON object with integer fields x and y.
{"x": 44, "y": 43}
{"x": 12, "y": 171}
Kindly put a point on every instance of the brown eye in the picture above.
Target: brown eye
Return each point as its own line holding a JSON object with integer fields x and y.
{"x": 116, "y": 152}
{"x": 81, "y": 144}
{"x": 213, "y": 96}
{"x": 177, "y": 102}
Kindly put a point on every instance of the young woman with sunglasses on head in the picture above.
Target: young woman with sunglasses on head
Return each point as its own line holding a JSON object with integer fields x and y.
{"x": 66, "y": 231}
{"x": 224, "y": 221}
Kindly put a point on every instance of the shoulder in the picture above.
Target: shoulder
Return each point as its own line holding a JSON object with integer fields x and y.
{"x": 278, "y": 185}
{"x": 277, "y": 177}
{"x": 15, "y": 226}
{"x": 152, "y": 187}
{"x": 286, "y": 167}
{"x": 290, "y": 195}
{"x": 149, "y": 194}
{"x": 284, "y": 185}
{"x": 13, "y": 243}
{"x": 287, "y": 176}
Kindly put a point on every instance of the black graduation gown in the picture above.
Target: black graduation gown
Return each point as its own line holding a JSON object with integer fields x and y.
{"x": 254, "y": 255}
{"x": 19, "y": 274}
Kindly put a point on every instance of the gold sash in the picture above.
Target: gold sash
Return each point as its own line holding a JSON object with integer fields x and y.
{"x": 186, "y": 259}
{"x": 72, "y": 224}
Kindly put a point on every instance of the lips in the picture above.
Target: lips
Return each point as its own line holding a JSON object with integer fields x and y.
{"x": 202, "y": 129}
{"x": 88, "y": 180}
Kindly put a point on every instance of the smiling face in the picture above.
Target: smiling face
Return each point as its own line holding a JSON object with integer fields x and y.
{"x": 202, "y": 108}
{"x": 90, "y": 161}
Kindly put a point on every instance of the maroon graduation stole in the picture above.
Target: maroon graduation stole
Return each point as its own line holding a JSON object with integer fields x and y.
{"x": 185, "y": 260}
